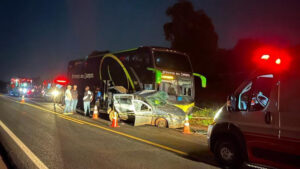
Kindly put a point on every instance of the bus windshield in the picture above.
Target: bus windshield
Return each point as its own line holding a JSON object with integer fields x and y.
{"x": 172, "y": 61}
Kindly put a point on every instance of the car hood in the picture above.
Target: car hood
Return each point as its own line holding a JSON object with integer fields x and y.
{"x": 169, "y": 109}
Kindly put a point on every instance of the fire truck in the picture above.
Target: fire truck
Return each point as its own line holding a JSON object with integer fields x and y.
{"x": 259, "y": 126}
{"x": 21, "y": 86}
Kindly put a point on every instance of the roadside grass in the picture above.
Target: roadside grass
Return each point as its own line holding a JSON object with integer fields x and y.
{"x": 202, "y": 117}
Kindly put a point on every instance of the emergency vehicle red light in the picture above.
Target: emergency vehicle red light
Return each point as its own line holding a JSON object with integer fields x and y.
{"x": 278, "y": 61}
{"x": 61, "y": 80}
{"x": 272, "y": 59}
{"x": 265, "y": 57}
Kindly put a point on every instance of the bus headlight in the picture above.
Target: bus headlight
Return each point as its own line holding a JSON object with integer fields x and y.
{"x": 167, "y": 77}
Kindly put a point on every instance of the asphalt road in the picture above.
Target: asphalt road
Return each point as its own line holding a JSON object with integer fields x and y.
{"x": 57, "y": 141}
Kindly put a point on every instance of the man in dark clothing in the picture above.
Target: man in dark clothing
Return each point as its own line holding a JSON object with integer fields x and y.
{"x": 97, "y": 96}
{"x": 74, "y": 93}
{"x": 87, "y": 99}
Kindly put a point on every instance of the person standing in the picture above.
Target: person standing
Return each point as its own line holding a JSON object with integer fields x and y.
{"x": 98, "y": 96}
{"x": 68, "y": 99}
{"x": 87, "y": 99}
{"x": 74, "y": 93}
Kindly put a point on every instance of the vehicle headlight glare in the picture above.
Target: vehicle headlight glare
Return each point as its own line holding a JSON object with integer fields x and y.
{"x": 55, "y": 93}
{"x": 218, "y": 113}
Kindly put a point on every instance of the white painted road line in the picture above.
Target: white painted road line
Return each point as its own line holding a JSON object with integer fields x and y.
{"x": 26, "y": 150}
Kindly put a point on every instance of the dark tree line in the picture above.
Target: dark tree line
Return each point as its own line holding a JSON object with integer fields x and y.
{"x": 192, "y": 32}
{"x": 3, "y": 87}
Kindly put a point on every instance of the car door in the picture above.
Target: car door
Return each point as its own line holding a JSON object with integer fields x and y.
{"x": 289, "y": 122}
{"x": 123, "y": 103}
{"x": 257, "y": 103}
{"x": 143, "y": 113}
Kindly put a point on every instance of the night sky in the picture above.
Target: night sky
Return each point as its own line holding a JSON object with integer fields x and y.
{"x": 39, "y": 37}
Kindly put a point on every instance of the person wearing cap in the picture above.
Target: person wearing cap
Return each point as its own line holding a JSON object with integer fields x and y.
{"x": 68, "y": 100}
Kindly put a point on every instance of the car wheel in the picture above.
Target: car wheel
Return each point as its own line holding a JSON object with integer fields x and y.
{"x": 111, "y": 115}
{"x": 161, "y": 123}
{"x": 228, "y": 154}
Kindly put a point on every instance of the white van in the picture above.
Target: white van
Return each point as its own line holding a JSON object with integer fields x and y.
{"x": 260, "y": 124}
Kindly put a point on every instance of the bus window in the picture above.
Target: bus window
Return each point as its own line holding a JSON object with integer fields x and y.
{"x": 172, "y": 61}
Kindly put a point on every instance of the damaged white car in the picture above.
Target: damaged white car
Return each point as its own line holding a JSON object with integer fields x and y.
{"x": 148, "y": 107}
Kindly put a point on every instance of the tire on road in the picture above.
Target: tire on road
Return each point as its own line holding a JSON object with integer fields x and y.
{"x": 161, "y": 123}
{"x": 111, "y": 115}
{"x": 227, "y": 153}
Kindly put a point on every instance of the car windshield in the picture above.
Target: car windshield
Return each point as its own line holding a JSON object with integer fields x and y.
{"x": 157, "y": 99}
{"x": 172, "y": 61}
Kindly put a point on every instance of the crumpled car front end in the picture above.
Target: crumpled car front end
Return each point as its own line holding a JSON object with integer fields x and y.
{"x": 174, "y": 116}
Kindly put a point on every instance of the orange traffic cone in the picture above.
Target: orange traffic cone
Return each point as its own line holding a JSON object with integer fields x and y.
{"x": 95, "y": 113}
{"x": 186, "y": 128}
{"x": 115, "y": 120}
{"x": 23, "y": 99}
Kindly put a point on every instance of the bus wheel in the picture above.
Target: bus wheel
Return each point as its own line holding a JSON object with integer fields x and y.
{"x": 161, "y": 123}
{"x": 227, "y": 153}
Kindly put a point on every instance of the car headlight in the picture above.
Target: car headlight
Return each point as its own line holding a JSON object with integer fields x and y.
{"x": 55, "y": 93}
{"x": 24, "y": 90}
{"x": 20, "y": 89}
{"x": 32, "y": 90}
{"x": 218, "y": 113}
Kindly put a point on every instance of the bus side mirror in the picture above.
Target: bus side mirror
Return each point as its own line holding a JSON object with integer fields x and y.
{"x": 231, "y": 103}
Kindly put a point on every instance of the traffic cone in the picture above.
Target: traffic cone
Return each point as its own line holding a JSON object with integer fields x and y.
{"x": 186, "y": 128}
{"x": 115, "y": 120}
{"x": 23, "y": 99}
{"x": 95, "y": 113}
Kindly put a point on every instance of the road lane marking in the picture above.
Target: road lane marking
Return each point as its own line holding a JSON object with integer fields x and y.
{"x": 139, "y": 139}
{"x": 70, "y": 119}
{"x": 25, "y": 149}
{"x": 110, "y": 130}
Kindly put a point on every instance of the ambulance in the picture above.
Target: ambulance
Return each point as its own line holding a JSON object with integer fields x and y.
{"x": 259, "y": 126}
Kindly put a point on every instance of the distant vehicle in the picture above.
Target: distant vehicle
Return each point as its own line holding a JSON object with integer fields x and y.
{"x": 143, "y": 68}
{"x": 21, "y": 86}
{"x": 260, "y": 124}
{"x": 147, "y": 107}
{"x": 52, "y": 90}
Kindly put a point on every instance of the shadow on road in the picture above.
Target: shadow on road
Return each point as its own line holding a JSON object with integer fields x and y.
{"x": 5, "y": 160}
